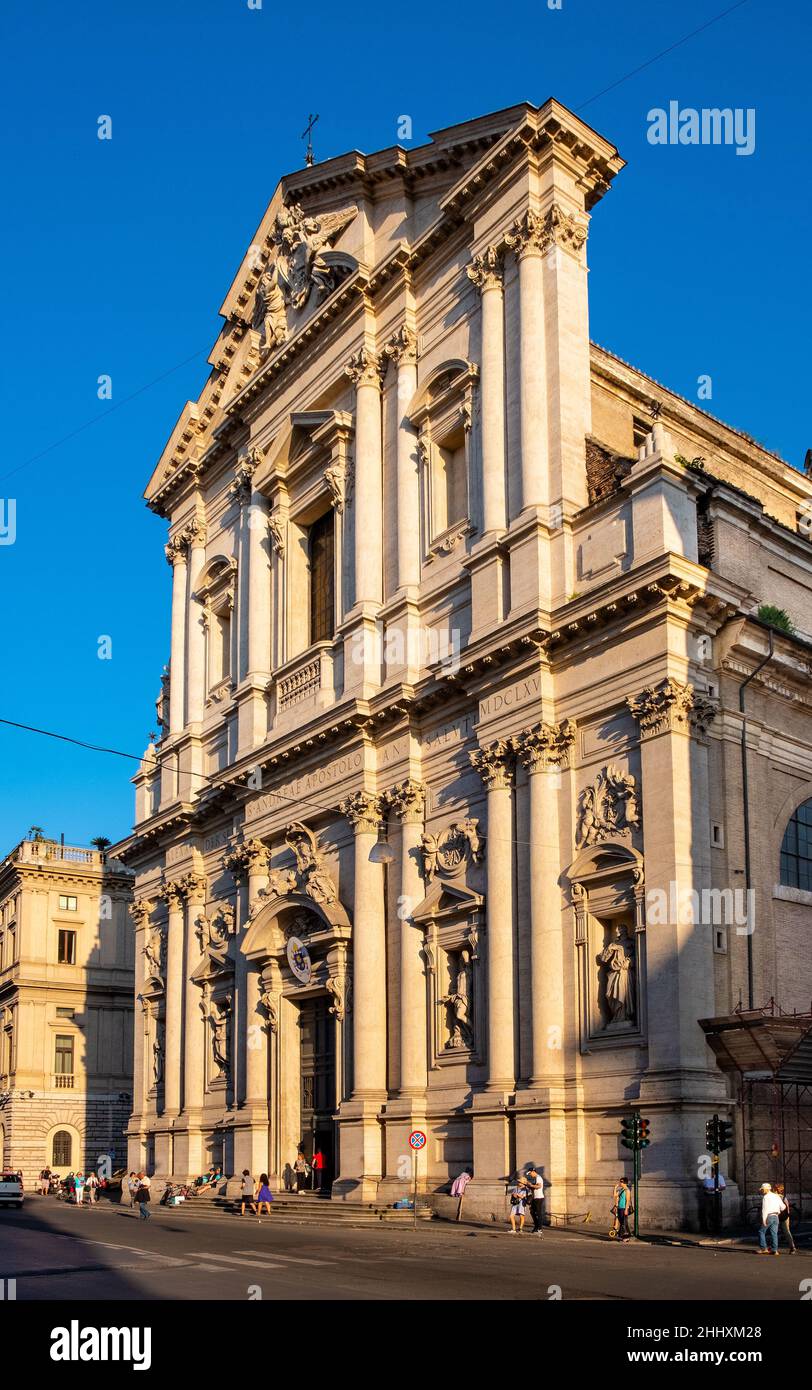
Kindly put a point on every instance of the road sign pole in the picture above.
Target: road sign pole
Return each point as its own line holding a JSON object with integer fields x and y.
{"x": 414, "y": 1193}
{"x": 417, "y": 1141}
{"x": 636, "y": 1188}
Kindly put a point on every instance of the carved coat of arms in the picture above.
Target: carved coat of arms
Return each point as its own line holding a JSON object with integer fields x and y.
{"x": 299, "y": 266}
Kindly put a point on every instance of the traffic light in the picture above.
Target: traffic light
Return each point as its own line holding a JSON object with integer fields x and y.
{"x": 643, "y": 1134}
{"x": 725, "y": 1139}
{"x": 628, "y": 1132}
{"x": 712, "y": 1135}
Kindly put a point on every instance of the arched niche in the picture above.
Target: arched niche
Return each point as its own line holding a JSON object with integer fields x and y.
{"x": 607, "y": 885}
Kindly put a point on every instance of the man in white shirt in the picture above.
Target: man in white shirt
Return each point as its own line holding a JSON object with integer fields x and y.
{"x": 535, "y": 1183}
{"x": 771, "y": 1207}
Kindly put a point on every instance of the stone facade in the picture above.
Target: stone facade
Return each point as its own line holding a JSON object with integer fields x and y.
{"x": 66, "y": 1008}
{"x": 395, "y": 865}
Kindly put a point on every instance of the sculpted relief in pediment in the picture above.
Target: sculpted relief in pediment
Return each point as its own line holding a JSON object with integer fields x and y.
{"x": 300, "y": 265}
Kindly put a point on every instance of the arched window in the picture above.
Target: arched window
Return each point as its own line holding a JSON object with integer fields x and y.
{"x": 62, "y": 1149}
{"x": 796, "y": 849}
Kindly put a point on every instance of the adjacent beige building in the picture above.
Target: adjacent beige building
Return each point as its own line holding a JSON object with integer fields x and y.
{"x": 444, "y": 829}
{"x": 66, "y": 1009}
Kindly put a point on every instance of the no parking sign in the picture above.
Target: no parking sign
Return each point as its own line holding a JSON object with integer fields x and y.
{"x": 417, "y": 1141}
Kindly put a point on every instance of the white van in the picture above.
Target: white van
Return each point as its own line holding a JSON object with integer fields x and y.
{"x": 11, "y": 1190}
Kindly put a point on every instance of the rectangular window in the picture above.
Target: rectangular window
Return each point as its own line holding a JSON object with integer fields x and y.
{"x": 321, "y": 558}
{"x": 63, "y": 1055}
{"x": 67, "y": 903}
{"x": 65, "y": 1013}
{"x": 219, "y": 648}
{"x": 67, "y": 948}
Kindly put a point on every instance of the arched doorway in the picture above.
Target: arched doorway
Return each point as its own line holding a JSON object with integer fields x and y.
{"x": 301, "y": 950}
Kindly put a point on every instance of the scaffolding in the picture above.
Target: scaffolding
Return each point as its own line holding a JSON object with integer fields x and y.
{"x": 768, "y": 1055}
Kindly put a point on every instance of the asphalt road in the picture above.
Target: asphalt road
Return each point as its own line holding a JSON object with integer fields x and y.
{"x": 56, "y": 1252}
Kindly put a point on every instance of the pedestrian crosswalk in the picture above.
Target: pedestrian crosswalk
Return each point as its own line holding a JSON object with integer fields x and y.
{"x": 250, "y": 1259}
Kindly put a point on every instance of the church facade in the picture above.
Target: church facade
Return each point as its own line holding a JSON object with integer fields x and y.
{"x": 454, "y": 822}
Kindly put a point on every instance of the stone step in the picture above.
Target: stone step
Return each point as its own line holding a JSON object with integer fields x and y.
{"x": 309, "y": 1211}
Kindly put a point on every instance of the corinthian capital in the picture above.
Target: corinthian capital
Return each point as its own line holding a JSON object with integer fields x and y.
{"x": 251, "y": 857}
{"x": 545, "y": 745}
{"x": 671, "y": 706}
{"x": 408, "y": 801}
{"x": 194, "y": 533}
{"x": 175, "y": 550}
{"x": 364, "y": 368}
{"x": 485, "y": 270}
{"x": 402, "y": 346}
{"x": 364, "y": 811}
{"x": 495, "y": 763}
{"x": 194, "y": 887}
{"x": 247, "y": 464}
{"x": 536, "y": 233}
{"x": 141, "y": 910}
{"x": 171, "y": 892}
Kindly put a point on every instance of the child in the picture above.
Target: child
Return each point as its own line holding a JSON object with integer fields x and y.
{"x": 518, "y": 1196}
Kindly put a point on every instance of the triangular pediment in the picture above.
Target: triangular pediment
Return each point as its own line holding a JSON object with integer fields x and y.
{"x": 447, "y": 900}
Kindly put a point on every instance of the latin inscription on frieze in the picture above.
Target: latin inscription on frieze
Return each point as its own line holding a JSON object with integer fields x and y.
{"x": 306, "y": 785}
{"x": 503, "y": 701}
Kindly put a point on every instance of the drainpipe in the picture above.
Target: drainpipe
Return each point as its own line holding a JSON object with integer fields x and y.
{"x": 746, "y": 808}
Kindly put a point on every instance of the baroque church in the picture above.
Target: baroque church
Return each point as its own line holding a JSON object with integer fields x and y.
{"x": 484, "y": 779}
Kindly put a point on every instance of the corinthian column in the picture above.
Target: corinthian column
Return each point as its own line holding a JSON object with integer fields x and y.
{"x": 495, "y": 763}
{"x": 368, "y": 951}
{"x": 173, "y": 897}
{"x": 544, "y": 750}
{"x": 175, "y": 553}
{"x": 140, "y": 911}
{"x": 250, "y": 862}
{"x": 402, "y": 349}
{"x": 365, "y": 371}
{"x": 527, "y": 239}
{"x": 195, "y": 534}
{"x": 259, "y": 587}
{"x": 486, "y": 273}
{"x": 194, "y": 892}
{"x": 408, "y": 801}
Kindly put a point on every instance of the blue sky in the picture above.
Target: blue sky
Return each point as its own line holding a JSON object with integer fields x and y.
{"x": 117, "y": 254}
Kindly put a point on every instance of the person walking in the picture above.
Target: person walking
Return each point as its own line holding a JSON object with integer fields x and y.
{"x": 143, "y": 1196}
{"x": 247, "y": 1191}
{"x": 518, "y": 1196}
{"x": 318, "y": 1170}
{"x": 784, "y": 1217}
{"x": 264, "y": 1197}
{"x": 128, "y": 1187}
{"x": 45, "y": 1182}
{"x": 535, "y": 1185}
{"x": 79, "y": 1189}
{"x": 92, "y": 1186}
{"x": 771, "y": 1207}
{"x": 621, "y": 1195}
